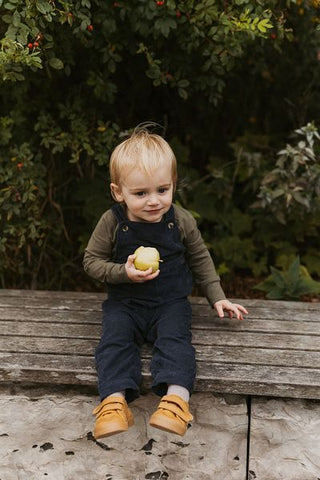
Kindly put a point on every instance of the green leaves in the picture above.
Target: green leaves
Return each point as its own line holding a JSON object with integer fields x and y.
{"x": 263, "y": 25}
{"x": 13, "y": 57}
{"x": 69, "y": 90}
{"x": 21, "y": 194}
{"x": 252, "y": 22}
{"x": 31, "y": 23}
{"x": 179, "y": 37}
{"x": 10, "y": 5}
{"x": 292, "y": 188}
{"x": 44, "y": 7}
{"x": 56, "y": 63}
{"x": 164, "y": 25}
{"x": 289, "y": 284}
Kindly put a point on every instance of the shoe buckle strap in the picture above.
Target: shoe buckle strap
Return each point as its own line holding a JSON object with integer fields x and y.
{"x": 110, "y": 405}
{"x": 174, "y": 408}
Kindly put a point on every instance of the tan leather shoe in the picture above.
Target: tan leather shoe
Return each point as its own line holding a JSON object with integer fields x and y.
{"x": 172, "y": 415}
{"x": 113, "y": 416}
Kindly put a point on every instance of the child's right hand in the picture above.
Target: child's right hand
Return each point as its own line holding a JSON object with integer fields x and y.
{"x": 138, "y": 275}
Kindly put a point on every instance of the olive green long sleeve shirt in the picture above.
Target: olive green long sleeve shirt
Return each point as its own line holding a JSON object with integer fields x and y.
{"x": 98, "y": 255}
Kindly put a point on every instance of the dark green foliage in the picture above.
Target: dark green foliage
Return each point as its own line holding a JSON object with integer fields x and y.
{"x": 289, "y": 284}
{"x": 228, "y": 81}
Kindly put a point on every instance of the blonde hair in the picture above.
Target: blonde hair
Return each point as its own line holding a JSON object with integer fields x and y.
{"x": 143, "y": 150}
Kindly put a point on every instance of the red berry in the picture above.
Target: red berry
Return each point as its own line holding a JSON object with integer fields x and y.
{"x": 36, "y": 44}
{"x": 70, "y": 18}
{"x": 90, "y": 28}
{"x": 273, "y": 36}
{"x": 30, "y": 45}
{"x": 178, "y": 14}
{"x": 160, "y": 3}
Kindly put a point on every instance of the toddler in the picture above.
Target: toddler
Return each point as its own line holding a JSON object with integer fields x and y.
{"x": 144, "y": 305}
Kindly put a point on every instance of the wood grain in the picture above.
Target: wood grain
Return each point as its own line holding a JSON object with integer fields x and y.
{"x": 50, "y": 338}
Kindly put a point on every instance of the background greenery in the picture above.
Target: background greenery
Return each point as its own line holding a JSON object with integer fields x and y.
{"x": 232, "y": 83}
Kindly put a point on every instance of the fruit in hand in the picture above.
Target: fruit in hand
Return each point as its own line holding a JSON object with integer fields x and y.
{"x": 147, "y": 257}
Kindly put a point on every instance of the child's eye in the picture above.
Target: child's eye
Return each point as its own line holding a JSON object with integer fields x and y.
{"x": 140, "y": 194}
{"x": 163, "y": 189}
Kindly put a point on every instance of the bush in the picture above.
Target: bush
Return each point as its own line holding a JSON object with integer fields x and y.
{"x": 76, "y": 76}
{"x": 289, "y": 284}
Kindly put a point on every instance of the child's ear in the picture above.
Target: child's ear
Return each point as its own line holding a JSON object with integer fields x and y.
{"x": 116, "y": 192}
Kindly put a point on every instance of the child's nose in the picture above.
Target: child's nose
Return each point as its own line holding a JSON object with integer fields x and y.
{"x": 153, "y": 199}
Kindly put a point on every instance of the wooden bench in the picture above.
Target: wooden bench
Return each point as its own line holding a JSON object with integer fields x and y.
{"x": 50, "y": 338}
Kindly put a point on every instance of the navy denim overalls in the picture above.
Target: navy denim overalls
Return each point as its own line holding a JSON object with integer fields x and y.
{"x": 156, "y": 311}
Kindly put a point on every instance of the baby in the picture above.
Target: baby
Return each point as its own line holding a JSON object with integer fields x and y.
{"x": 144, "y": 305}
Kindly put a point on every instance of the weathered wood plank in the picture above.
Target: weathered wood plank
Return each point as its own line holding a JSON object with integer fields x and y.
{"x": 52, "y": 327}
{"x": 255, "y": 315}
{"x": 60, "y": 361}
{"x": 208, "y": 354}
{"x": 202, "y": 313}
{"x": 50, "y": 337}
{"x": 98, "y": 296}
{"x": 257, "y": 356}
{"x": 72, "y": 346}
{"x": 48, "y": 361}
{"x": 285, "y": 314}
{"x": 229, "y": 378}
{"x": 47, "y": 315}
{"x": 267, "y": 311}
{"x": 61, "y": 304}
{"x": 262, "y": 340}
{"x": 55, "y": 294}
{"x": 214, "y": 323}
{"x": 250, "y": 380}
{"x": 252, "y": 325}
{"x": 13, "y": 298}
{"x": 54, "y": 339}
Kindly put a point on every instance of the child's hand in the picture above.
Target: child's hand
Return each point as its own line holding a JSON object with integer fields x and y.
{"x": 232, "y": 308}
{"x": 139, "y": 275}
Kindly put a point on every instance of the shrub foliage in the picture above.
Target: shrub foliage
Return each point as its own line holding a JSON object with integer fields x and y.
{"x": 228, "y": 82}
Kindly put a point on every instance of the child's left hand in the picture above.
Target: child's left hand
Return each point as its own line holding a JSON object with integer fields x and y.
{"x": 138, "y": 276}
{"x": 232, "y": 308}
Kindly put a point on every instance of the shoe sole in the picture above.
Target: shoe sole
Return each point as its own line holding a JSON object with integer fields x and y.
{"x": 167, "y": 426}
{"x": 109, "y": 433}
{"x": 112, "y": 429}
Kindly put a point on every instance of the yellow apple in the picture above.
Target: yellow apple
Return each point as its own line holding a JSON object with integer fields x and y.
{"x": 147, "y": 257}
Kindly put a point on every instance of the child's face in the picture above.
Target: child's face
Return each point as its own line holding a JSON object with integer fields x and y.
{"x": 147, "y": 197}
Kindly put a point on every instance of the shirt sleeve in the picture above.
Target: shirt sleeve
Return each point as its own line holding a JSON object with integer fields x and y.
{"x": 97, "y": 260}
{"x": 199, "y": 258}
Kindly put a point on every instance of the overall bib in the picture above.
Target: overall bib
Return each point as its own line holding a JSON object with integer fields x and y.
{"x": 155, "y": 311}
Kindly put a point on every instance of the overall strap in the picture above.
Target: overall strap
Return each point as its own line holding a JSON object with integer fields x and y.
{"x": 170, "y": 215}
{"x": 118, "y": 212}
